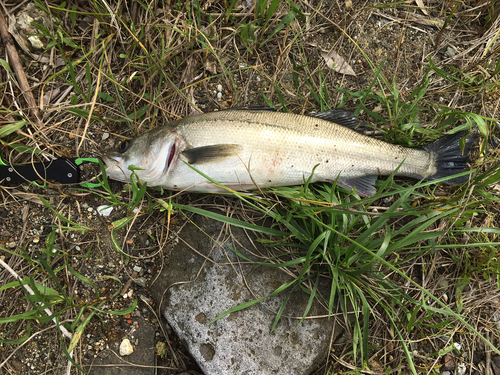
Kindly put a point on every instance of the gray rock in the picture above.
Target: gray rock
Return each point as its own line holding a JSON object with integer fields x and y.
{"x": 240, "y": 342}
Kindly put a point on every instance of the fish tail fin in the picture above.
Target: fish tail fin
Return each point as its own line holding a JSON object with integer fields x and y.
{"x": 450, "y": 159}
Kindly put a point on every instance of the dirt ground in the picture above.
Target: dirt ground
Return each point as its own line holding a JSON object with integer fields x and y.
{"x": 400, "y": 40}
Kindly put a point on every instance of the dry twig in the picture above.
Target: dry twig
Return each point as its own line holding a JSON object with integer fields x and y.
{"x": 17, "y": 67}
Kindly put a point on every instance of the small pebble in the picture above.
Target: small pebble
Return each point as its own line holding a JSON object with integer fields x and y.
{"x": 219, "y": 95}
{"x": 126, "y": 347}
{"x": 36, "y": 239}
{"x": 105, "y": 136}
{"x": 104, "y": 210}
{"x": 137, "y": 269}
{"x": 78, "y": 248}
{"x": 12, "y": 245}
{"x": 450, "y": 52}
{"x": 219, "y": 88}
{"x": 142, "y": 281}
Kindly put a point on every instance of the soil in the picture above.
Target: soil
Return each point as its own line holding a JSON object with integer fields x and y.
{"x": 401, "y": 48}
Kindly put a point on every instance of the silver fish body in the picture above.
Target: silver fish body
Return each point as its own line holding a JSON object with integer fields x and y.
{"x": 249, "y": 149}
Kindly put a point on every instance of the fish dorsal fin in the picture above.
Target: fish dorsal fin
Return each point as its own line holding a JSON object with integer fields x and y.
{"x": 365, "y": 185}
{"x": 341, "y": 117}
{"x": 206, "y": 154}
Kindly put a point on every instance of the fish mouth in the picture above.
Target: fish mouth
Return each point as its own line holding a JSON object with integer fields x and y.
{"x": 111, "y": 162}
{"x": 113, "y": 169}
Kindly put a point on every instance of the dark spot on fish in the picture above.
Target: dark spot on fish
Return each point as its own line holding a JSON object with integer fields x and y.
{"x": 396, "y": 158}
{"x": 268, "y": 180}
{"x": 316, "y": 125}
{"x": 327, "y": 161}
{"x": 352, "y": 165}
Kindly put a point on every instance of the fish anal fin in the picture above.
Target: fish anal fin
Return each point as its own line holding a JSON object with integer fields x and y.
{"x": 206, "y": 154}
{"x": 365, "y": 185}
{"x": 341, "y": 117}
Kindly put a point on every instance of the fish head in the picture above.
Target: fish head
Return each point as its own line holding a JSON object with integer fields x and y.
{"x": 150, "y": 156}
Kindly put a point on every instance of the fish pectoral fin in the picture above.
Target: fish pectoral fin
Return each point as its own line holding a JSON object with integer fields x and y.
{"x": 365, "y": 185}
{"x": 341, "y": 117}
{"x": 205, "y": 154}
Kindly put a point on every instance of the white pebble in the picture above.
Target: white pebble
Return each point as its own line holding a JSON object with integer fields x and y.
{"x": 219, "y": 88}
{"x": 105, "y": 136}
{"x": 461, "y": 369}
{"x": 137, "y": 269}
{"x": 104, "y": 210}
{"x": 219, "y": 95}
{"x": 457, "y": 345}
{"x": 126, "y": 347}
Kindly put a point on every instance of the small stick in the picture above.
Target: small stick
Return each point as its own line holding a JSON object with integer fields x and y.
{"x": 17, "y": 67}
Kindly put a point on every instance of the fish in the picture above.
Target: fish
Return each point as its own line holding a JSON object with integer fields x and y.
{"x": 250, "y": 149}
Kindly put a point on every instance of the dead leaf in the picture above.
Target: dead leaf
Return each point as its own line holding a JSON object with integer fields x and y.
{"x": 247, "y": 5}
{"x": 448, "y": 363}
{"x": 376, "y": 365}
{"x": 336, "y": 62}
{"x": 50, "y": 95}
{"x": 27, "y": 197}
{"x": 421, "y": 5}
{"x": 187, "y": 76}
{"x": 211, "y": 65}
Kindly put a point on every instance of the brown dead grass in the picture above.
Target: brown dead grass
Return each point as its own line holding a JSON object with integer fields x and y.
{"x": 160, "y": 61}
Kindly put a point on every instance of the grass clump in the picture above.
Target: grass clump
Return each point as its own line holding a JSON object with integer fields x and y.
{"x": 125, "y": 70}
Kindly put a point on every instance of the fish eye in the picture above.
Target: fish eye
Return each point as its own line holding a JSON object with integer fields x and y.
{"x": 123, "y": 146}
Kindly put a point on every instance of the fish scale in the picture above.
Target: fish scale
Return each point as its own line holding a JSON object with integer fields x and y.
{"x": 246, "y": 149}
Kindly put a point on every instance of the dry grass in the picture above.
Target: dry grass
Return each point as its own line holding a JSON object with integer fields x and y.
{"x": 116, "y": 71}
